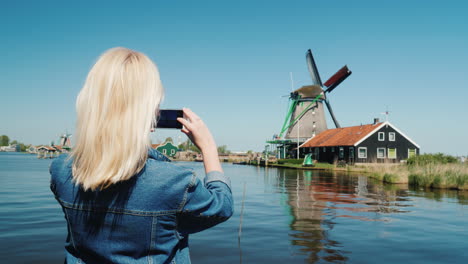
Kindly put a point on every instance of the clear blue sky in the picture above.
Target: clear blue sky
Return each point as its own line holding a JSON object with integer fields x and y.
{"x": 230, "y": 61}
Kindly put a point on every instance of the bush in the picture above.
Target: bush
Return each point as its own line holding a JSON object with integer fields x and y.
{"x": 290, "y": 161}
{"x": 425, "y": 159}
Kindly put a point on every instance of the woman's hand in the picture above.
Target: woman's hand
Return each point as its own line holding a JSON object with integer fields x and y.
{"x": 197, "y": 131}
{"x": 200, "y": 135}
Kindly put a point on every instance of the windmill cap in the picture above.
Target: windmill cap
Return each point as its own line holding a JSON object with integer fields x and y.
{"x": 309, "y": 91}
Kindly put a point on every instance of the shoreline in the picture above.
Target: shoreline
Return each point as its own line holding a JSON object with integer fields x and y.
{"x": 432, "y": 176}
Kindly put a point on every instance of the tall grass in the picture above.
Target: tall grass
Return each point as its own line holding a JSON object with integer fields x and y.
{"x": 429, "y": 170}
{"x": 452, "y": 176}
{"x": 388, "y": 172}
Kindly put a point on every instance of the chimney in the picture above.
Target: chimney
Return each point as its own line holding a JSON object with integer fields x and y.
{"x": 376, "y": 120}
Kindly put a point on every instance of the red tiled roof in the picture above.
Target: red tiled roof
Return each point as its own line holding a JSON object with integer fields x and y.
{"x": 155, "y": 145}
{"x": 344, "y": 136}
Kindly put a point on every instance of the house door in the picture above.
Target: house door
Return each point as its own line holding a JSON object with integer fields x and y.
{"x": 351, "y": 155}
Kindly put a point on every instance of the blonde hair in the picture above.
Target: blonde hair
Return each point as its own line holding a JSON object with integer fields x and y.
{"x": 116, "y": 109}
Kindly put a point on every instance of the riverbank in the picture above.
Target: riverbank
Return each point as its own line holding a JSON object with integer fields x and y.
{"x": 430, "y": 175}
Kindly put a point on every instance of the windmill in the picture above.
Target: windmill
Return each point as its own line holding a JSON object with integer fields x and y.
{"x": 306, "y": 116}
{"x": 65, "y": 140}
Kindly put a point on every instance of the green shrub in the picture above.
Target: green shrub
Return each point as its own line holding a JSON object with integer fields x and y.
{"x": 438, "y": 158}
{"x": 290, "y": 161}
{"x": 390, "y": 178}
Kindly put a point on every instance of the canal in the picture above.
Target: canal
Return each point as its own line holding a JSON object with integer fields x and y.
{"x": 289, "y": 216}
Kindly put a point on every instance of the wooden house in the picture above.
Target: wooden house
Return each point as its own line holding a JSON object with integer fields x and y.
{"x": 44, "y": 152}
{"x": 372, "y": 143}
{"x": 167, "y": 148}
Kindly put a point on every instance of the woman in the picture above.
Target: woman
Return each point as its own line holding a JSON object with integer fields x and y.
{"x": 123, "y": 201}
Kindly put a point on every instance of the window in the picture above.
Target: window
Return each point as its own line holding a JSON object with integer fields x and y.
{"x": 172, "y": 151}
{"x": 351, "y": 152}
{"x": 341, "y": 153}
{"x": 392, "y": 153}
{"x": 391, "y": 136}
{"x": 324, "y": 149}
{"x": 164, "y": 151}
{"x": 411, "y": 153}
{"x": 317, "y": 152}
{"x": 362, "y": 153}
{"x": 381, "y": 136}
{"x": 381, "y": 153}
{"x": 333, "y": 149}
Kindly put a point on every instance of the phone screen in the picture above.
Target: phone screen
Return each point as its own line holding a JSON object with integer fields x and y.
{"x": 168, "y": 119}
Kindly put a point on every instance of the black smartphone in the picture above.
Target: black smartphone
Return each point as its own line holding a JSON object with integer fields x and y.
{"x": 167, "y": 118}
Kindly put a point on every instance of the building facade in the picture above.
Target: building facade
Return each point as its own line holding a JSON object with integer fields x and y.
{"x": 371, "y": 143}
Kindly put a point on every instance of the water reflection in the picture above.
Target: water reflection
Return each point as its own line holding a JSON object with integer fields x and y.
{"x": 316, "y": 200}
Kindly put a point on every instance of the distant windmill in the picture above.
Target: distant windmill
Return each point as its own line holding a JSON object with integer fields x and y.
{"x": 65, "y": 140}
{"x": 306, "y": 117}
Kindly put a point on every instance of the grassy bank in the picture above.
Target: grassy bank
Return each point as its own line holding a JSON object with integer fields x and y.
{"x": 429, "y": 171}
{"x": 451, "y": 176}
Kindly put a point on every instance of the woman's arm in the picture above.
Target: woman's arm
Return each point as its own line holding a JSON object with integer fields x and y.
{"x": 206, "y": 205}
{"x": 210, "y": 203}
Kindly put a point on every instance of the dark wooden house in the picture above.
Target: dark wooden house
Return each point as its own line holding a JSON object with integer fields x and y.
{"x": 371, "y": 143}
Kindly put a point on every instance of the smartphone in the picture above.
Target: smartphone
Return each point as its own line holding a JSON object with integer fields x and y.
{"x": 167, "y": 118}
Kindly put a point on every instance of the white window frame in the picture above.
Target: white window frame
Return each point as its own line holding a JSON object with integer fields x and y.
{"x": 415, "y": 152}
{"x": 359, "y": 153}
{"x": 381, "y": 136}
{"x": 390, "y": 134}
{"x": 388, "y": 153}
{"x": 384, "y": 153}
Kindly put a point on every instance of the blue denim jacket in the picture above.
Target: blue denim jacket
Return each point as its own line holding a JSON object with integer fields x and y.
{"x": 146, "y": 219}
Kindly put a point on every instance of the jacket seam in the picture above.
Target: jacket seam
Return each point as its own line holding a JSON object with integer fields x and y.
{"x": 117, "y": 211}
{"x": 70, "y": 230}
{"x": 184, "y": 198}
{"x": 154, "y": 222}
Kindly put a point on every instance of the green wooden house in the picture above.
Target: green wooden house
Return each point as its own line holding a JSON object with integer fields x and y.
{"x": 168, "y": 149}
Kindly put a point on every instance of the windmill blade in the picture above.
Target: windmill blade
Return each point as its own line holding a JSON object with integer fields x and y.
{"x": 313, "y": 69}
{"x": 330, "y": 110}
{"x": 337, "y": 78}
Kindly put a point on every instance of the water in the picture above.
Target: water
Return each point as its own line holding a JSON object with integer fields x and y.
{"x": 290, "y": 216}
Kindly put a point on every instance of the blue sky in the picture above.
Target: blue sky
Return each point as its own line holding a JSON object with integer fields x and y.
{"x": 230, "y": 61}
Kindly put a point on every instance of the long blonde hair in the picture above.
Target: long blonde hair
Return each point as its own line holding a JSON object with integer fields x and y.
{"x": 116, "y": 109}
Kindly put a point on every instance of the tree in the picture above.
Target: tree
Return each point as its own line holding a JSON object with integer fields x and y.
{"x": 223, "y": 150}
{"x": 24, "y": 147}
{"x": 169, "y": 139}
{"x": 188, "y": 145}
{"x": 4, "y": 140}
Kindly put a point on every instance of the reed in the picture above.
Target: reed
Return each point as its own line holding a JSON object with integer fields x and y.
{"x": 388, "y": 172}
{"x": 451, "y": 176}
{"x": 429, "y": 175}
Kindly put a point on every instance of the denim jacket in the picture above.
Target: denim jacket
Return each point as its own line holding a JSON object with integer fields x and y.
{"x": 146, "y": 219}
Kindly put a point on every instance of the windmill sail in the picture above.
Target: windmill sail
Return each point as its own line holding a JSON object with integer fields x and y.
{"x": 337, "y": 78}
{"x": 313, "y": 69}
